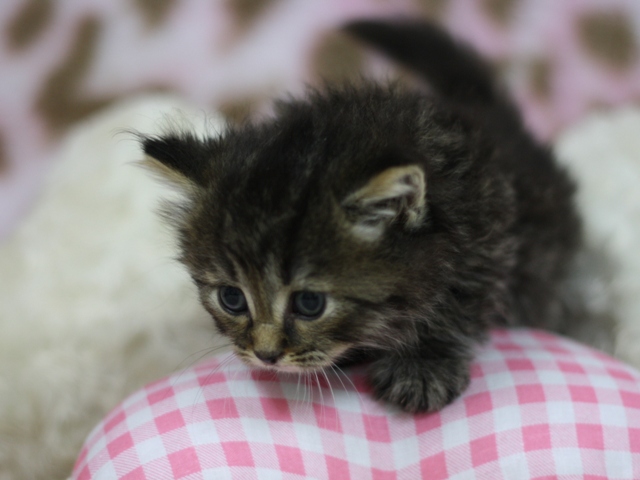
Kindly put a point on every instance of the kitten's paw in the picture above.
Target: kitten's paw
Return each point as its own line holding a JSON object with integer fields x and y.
{"x": 418, "y": 385}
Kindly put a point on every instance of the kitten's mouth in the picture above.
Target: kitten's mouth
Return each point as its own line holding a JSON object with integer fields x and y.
{"x": 306, "y": 361}
{"x": 288, "y": 366}
{"x": 288, "y": 362}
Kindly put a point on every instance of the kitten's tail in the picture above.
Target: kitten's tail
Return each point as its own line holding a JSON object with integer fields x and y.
{"x": 452, "y": 69}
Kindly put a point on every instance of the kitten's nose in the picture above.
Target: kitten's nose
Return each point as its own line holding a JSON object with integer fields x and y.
{"x": 270, "y": 358}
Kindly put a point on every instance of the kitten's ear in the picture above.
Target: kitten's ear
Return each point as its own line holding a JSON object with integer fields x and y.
{"x": 396, "y": 193}
{"x": 183, "y": 160}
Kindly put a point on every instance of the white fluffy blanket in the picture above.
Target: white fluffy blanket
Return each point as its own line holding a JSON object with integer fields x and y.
{"x": 92, "y": 304}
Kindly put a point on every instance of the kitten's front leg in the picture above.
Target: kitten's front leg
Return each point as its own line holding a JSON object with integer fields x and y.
{"x": 419, "y": 383}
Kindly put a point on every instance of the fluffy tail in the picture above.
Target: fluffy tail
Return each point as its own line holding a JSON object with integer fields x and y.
{"x": 452, "y": 69}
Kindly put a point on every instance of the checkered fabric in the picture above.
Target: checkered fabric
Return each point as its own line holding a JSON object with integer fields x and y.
{"x": 539, "y": 406}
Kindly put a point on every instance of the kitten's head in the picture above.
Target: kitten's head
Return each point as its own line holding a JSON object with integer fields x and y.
{"x": 298, "y": 232}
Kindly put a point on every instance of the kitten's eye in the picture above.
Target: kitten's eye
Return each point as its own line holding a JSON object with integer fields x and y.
{"x": 309, "y": 304}
{"x": 233, "y": 300}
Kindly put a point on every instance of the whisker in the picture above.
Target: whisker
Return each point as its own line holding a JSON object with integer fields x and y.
{"x": 335, "y": 403}
{"x": 307, "y": 385}
{"x": 333, "y": 368}
{"x": 224, "y": 362}
{"x": 326, "y": 377}
{"x": 339, "y": 370}
{"x": 298, "y": 388}
{"x": 206, "y": 351}
{"x": 320, "y": 392}
{"x": 224, "y": 366}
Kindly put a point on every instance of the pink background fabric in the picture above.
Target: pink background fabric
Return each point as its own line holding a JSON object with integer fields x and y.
{"x": 538, "y": 407}
{"x": 62, "y": 61}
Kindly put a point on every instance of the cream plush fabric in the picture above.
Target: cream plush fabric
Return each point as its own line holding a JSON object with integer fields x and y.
{"x": 92, "y": 303}
{"x": 603, "y": 155}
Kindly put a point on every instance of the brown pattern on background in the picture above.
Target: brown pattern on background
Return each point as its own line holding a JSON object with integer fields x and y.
{"x": 499, "y": 10}
{"x": 60, "y": 102}
{"x": 609, "y": 37}
{"x": 337, "y": 58}
{"x": 154, "y": 11}
{"x": 599, "y": 106}
{"x": 29, "y": 23}
{"x": 247, "y": 11}
{"x": 4, "y": 163}
{"x": 540, "y": 75}
{"x": 432, "y": 8}
{"x": 242, "y": 110}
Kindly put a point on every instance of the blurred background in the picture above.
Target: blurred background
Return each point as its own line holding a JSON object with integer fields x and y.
{"x": 91, "y": 313}
{"x": 63, "y": 60}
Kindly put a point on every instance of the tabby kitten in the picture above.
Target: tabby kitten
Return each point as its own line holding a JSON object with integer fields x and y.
{"x": 378, "y": 221}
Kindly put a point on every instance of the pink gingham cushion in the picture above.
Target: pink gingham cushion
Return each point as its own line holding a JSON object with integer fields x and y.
{"x": 539, "y": 406}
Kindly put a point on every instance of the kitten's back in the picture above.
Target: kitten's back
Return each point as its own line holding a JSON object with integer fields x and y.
{"x": 547, "y": 227}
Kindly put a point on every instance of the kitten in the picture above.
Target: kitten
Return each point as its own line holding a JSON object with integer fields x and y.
{"x": 379, "y": 221}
